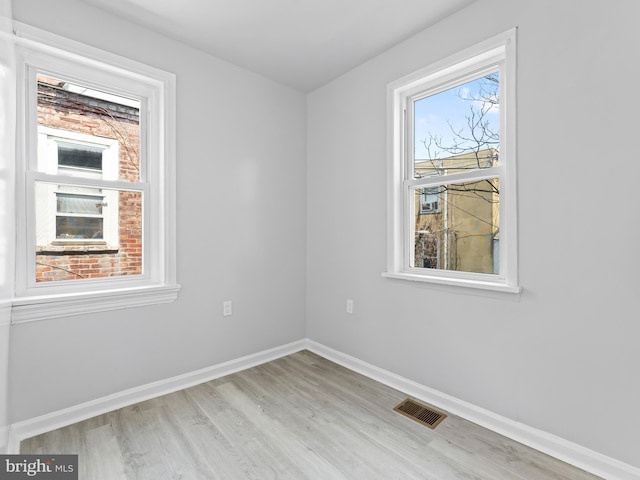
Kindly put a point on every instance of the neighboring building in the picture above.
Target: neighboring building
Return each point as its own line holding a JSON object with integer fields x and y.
{"x": 457, "y": 225}
{"x": 83, "y": 231}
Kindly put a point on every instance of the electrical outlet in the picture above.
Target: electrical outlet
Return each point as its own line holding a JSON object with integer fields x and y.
{"x": 227, "y": 308}
{"x": 349, "y": 305}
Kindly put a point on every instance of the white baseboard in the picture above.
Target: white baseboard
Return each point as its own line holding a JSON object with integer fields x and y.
{"x": 68, "y": 416}
{"x": 569, "y": 452}
{"x": 581, "y": 457}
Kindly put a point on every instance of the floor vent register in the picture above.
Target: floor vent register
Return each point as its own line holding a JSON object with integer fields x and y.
{"x": 420, "y": 413}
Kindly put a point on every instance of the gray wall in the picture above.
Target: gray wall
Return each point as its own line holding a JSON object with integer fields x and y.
{"x": 241, "y": 231}
{"x": 564, "y": 350}
{"x": 7, "y": 219}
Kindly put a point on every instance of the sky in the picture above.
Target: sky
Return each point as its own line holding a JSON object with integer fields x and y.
{"x": 434, "y": 113}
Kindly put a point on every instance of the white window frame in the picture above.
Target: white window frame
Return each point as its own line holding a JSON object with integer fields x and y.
{"x": 40, "y": 51}
{"x": 496, "y": 53}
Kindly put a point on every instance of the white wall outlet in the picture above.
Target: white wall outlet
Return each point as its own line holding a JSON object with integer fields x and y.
{"x": 349, "y": 305}
{"x": 227, "y": 308}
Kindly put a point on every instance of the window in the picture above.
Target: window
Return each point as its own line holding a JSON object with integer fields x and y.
{"x": 430, "y": 200}
{"x": 452, "y": 198}
{"x": 70, "y": 216}
{"x": 96, "y": 151}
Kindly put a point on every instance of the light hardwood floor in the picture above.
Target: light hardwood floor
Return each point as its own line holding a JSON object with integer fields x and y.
{"x": 298, "y": 417}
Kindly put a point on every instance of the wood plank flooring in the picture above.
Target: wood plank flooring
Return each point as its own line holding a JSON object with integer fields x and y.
{"x": 298, "y": 417}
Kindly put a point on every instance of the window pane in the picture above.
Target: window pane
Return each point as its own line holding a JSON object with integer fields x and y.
{"x": 458, "y": 129}
{"x": 459, "y": 230}
{"x": 78, "y": 228}
{"x": 104, "y": 130}
{"x": 78, "y": 155}
{"x": 430, "y": 200}
{"x": 82, "y": 204}
{"x": 84, "y": 236}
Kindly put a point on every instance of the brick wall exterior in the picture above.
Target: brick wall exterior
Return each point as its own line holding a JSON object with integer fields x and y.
{"x": 61, "y": 109}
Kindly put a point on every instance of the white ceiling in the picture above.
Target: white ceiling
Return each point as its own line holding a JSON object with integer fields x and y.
{"x": 300, "y": 43}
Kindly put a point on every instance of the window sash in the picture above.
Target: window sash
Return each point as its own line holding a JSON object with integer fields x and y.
{"x": 60, "y": 182}
{"x": 410, "y": 183}
{"x": 101, "y": 79}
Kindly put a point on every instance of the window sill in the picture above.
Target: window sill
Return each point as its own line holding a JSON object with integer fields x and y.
{"x": 67, "y": 248}
{"x": 45, "y": 307}
{"x": 458, "y": 282}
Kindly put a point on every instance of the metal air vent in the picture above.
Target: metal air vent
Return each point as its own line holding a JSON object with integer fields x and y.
{"x": 420, "y": 413}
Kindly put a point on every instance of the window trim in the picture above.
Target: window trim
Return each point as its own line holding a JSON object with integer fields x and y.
{"x": 47, "y": 52}
{"x": 499, "y": 50}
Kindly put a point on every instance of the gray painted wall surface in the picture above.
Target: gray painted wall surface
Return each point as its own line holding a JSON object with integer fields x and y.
{"x": 7, "y": 219}
{"x": 567, "y": 347}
